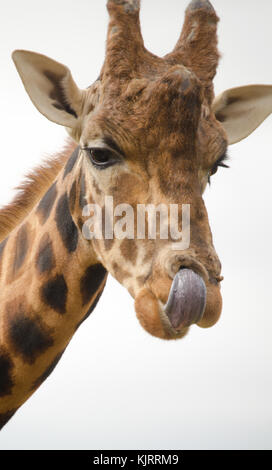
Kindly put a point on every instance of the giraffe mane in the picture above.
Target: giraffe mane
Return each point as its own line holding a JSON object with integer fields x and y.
{"x": 30, "y": 191}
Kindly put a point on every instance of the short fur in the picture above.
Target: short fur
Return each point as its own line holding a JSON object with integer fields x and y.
{"x": 158, "y": 118}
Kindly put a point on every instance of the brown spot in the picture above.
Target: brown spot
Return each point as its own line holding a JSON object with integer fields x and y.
{"x": 91, "y": 281}
{"x": 26, "y": 333}
{"x": 21, "y": 246}
{"x": 96, "y": 188}
{"x": 148, "y": 255}
{"x": 127, "y": 188}
{"x": 91, "y": 308}
{"x": 119, "y": 273}
{"x": 80, "y": 223}
{"x": 141, "y": 280}
{"x": 90, "y": 108}
{"x": 46, "y": 203}
{"x": 65, "y": 224}
{"x": 108, "y": 242}
{"x": 54, "y": 293}
{"x": 6, "y": 366}
{"x": 82, "y": 194}
{"x": 45, "y": 260}
{"x": 71, "y": 162}
{"x": 72, "y": 196}
{"x": 129, "y": 250}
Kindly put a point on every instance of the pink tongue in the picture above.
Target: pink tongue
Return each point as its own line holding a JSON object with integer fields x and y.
{"x": 187, "y": 299}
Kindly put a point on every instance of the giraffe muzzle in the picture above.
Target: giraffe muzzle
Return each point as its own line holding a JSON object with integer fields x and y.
{"x": 187, "y": 299}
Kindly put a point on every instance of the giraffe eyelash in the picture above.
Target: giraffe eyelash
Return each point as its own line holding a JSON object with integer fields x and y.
{"x": 219, "y": 163}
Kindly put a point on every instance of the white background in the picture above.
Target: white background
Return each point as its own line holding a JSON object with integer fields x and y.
{"x": 116, "y": 387}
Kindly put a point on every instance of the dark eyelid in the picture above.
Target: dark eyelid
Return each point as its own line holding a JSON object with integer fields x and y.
{"x": 108, "y": 140}
{"x": 106, "y": 149}
{"x": 221, "y": 160}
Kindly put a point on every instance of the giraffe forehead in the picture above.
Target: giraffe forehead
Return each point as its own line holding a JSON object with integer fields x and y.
{"x": 164, "y": 95}
{"x": 137, "y": 102}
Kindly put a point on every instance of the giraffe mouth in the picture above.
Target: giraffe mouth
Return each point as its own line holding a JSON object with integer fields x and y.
{"x": 187, "y": 299}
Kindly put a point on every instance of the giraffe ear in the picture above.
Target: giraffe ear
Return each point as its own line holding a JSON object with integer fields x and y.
{"x": 50, "y": 87}
{"x": 241, "y": 110}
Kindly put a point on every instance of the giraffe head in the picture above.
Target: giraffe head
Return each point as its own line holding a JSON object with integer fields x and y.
{"x": 151, "y": 132}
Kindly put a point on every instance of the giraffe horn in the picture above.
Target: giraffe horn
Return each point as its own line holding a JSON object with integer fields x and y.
{"x": 197, "y": 44}
{"x": 125, "y": 45}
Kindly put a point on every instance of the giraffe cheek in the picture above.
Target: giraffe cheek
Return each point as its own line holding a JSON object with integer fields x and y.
{"x": 213, "y": 307}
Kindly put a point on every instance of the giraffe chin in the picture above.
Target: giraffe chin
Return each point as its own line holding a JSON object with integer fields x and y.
{"x": 168, "y": 321}
{"x": 152, "y": 317}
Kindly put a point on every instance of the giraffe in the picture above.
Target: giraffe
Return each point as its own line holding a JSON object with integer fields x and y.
{"x": 149, "y": 130}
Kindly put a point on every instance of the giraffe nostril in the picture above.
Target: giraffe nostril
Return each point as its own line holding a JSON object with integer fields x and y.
{"x": 187, "y": 261}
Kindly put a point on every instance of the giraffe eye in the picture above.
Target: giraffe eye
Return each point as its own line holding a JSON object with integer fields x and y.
{"x": 102, "y": 157}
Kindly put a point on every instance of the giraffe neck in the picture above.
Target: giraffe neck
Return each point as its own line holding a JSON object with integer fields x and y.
{"x": 50, "y": 281}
